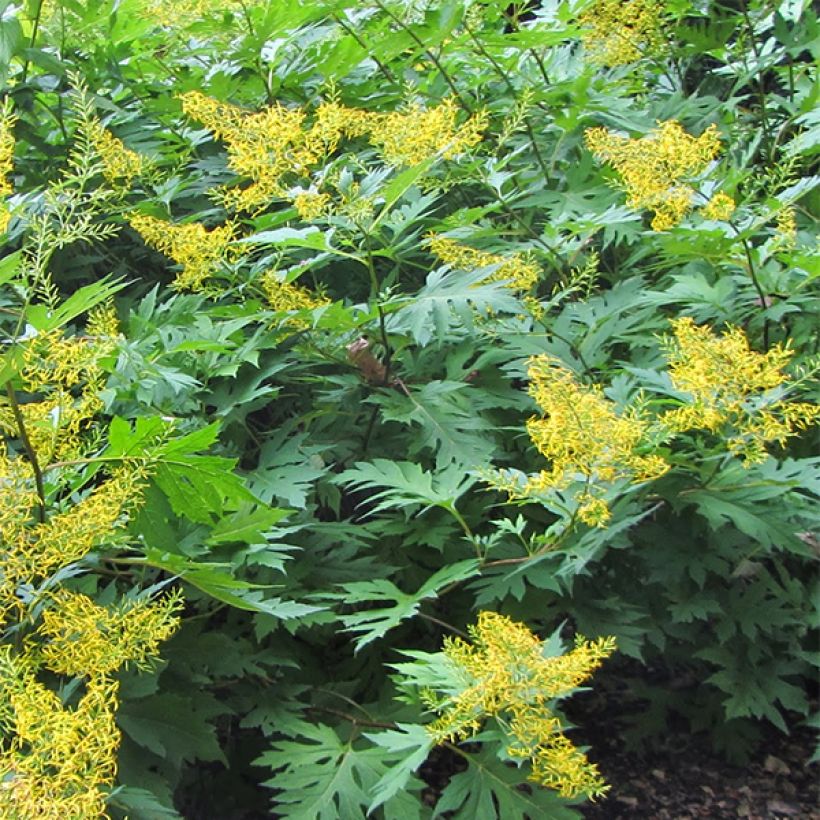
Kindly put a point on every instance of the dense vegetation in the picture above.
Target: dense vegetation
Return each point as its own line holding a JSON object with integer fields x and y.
{"x": 374, "y": 374}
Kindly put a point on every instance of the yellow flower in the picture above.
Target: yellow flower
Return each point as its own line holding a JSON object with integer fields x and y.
{"x": 198, "y": 250}
{"x": 618, "y": 32}
{"x": 411, "y": 136}
{"x": 263, "y": 146}
{"x": 285, "y": 297}
{"x": 176, "y": 14}
{"x": 653, "y": 169}
{"x": 506, "y": 676}
{"x": 83, "y": 638}
{"x": 518, "y": 270}
{"x": 310, "y": 205}
{"x": 728, "y": 382}
{"x": 720, "y": 207}
{"x": 785, "y": 235}
{"x": 584, "y": 437}
{"x": 7, "y": 121}
{"x": 120, "y": 164}
{"x": 55, "y": 762}
{"x": 69, "y": 536}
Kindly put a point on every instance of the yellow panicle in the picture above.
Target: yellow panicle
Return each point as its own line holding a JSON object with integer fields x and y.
{"x": 198, "y": 250}
{"x": 726, "y": 380}
{"x": 721, "y": 207}
{"x": 654, "y": 168}
{"x": 618, "y": 32}
{"x": 83, "y": 638}
{"x": 411, "y": 136}
{"x": 506, "y": 676}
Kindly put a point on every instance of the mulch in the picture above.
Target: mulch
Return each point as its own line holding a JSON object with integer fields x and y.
{"x": 683, "y": 778}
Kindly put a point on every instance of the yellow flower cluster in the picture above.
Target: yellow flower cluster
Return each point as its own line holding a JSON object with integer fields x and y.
{"x": 180, "y": 13}
{"x": 653, "y": 169}
{"x": 415, "y": 134}
{"x": 83, "y": 638}
{"x": 56, "y": 762}
{"x": 728, "y": 382}
{"x": 507, "y": 677}
{"x": 285, "y": 297}
{"x": 518, "y": 269}
{"x": 277, "y": 145}
{"x": 7, "y": 120}
{"x": 39, "y": 551}
{"x": 56, "y": 365}
{"x": 584, "y": 438}
{"x": 198, "y": 250}
{"x": 120, "y": 164}
{"x": 310, "y": 205}
{"x": 720, "y": 207}
{"x": 618, "y": 32}
{"x": 785, "y": 235}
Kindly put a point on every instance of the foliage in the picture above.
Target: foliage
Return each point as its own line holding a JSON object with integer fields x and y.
{"x": 334, "y": 331}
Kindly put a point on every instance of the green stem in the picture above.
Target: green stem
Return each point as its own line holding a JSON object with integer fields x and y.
{"x": 511, "y": 88}
{"x": 436, "y": 62}
{"x": 32, "y": 455}
{"x": 388, "y": 74}
{"x": 34, "y": 32}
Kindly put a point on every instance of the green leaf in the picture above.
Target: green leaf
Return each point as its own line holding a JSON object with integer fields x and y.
{"x": 447, "y": 420}
{"x": 406, "y": 484}
{"x": 409, "y": 744}
{"x": 451, "y": 298}
{"x": 372, "y": 623}
{"x": 322, "y": 777}
{"x": 141, "y": 803}
{"x": 173, "y": 727}
{"x": 491, "y": 790}
{"x": 81, "y": 301}
{"x": 289, "y": 238}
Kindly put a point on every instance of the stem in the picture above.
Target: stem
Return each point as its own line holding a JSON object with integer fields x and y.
{"x": 388, "y": 353}
{"x": 356, "y": 721}
{"x": 756, "y": 282}
{"x": 34, "y": 31}
{"x": 370, "y": 52}
{"x": 436, "y": 62}
{"x": 761, "y": 91}
{"x": 511, "y": 88}
{"x": 434, "y": 620}
{"x": 541, "y": 67}
{"x": 32, "y": 455}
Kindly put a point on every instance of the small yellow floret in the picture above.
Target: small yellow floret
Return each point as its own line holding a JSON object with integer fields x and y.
{"x": 83, "y": 638}
{"x": 654, "y": 168}
{"x": 120, "y": 164}
{"x": 198, "y": 250}
{"x": 727, "y": 381}
{"x": 506, "y": 676}
{"x": 584, "y": 437}
{"x": 618, "y": 32}
{"x": 519, "y": 270}
{"x": 720, "y": 207}
{"x": 285, "y": 296}
{"x": 411, "y": 136}
{"x": 56, "y": 762}
{"x": 310, "y": 205}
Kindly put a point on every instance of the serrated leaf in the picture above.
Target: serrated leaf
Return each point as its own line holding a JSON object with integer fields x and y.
{"x": 449, "y": 298}
{"x": 372, "y": 623}
{"x": 409, "y": 744}
{"x": 173, "y": 727}
{"x": 490, "y": 790}
{"x": 322, "y": 777}
{"x": 406, "y": 484}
